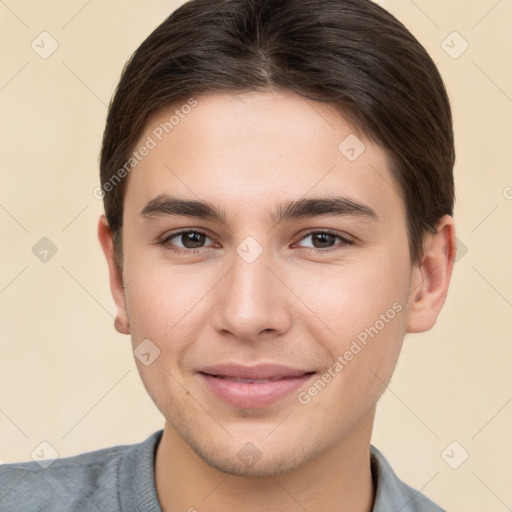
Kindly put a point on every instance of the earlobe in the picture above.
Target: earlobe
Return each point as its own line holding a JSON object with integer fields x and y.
{"x": 121, "y": 322}
{"x": 431, "y": 278}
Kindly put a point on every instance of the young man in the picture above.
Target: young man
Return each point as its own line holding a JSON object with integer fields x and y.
{"x": 278, "y": 196}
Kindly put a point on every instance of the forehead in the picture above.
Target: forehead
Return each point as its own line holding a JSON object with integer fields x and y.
{"x": 248, "y": 151}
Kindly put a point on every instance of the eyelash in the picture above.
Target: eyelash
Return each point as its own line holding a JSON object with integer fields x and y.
{"x": 165, "y": 242}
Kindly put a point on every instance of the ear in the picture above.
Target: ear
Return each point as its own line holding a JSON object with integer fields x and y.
{"x": 431, "y": 277}
{"x": 121, "y": 322}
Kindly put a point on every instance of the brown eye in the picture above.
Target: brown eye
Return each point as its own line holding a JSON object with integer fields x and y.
{"x": 188, "y": 241}
{"x": 322, "y": 240}
{"x": 192, "y": 240}
{"x": 325, "y": 240}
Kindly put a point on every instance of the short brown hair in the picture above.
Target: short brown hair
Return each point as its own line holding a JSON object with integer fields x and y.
{"x": 349, "y": 53}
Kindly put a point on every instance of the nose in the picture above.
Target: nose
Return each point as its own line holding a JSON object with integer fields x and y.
{"x": 251, "y": 301}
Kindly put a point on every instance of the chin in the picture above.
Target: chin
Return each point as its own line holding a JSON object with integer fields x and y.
{"x": 249, "y": 452}
{"x": 249, "y": 461}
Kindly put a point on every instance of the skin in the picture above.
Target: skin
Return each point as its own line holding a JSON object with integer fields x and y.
{"x": 296, "y": 304}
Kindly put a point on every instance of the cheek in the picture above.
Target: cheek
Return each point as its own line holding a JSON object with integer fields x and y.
{"x": 371, "y": 325}
{"x": 350, "y": 297}
{"x": 164, "y": 302}
{"x": 160, "y": 303}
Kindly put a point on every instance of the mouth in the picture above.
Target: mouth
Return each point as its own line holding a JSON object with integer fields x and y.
{"x": 253, "y": 387}
{"x": 258, "y": 381}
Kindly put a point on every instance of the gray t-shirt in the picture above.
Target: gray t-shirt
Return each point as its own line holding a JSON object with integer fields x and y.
{"x": 122, "y": 479}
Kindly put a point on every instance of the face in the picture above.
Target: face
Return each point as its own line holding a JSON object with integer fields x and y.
{"x": 275, "y": 309}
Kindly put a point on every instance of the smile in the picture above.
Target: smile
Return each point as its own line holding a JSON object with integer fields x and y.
{"x": 253, "y": 387}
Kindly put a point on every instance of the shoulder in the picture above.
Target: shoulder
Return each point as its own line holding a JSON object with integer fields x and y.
{"x": 392, "y": 493}
{"x": 89, "y": 481}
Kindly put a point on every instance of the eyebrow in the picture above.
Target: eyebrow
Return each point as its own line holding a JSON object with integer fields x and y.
{"x": 166, "y": 205}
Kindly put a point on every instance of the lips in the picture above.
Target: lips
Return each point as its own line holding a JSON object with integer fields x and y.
{"x": 236, "y": 379}
{"x": 252, "y": 387}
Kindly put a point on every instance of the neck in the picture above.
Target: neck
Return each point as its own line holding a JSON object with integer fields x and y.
{"x": 339, "y": 479}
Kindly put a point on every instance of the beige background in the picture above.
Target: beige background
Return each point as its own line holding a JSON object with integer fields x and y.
{"x": 66, "y": 376}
